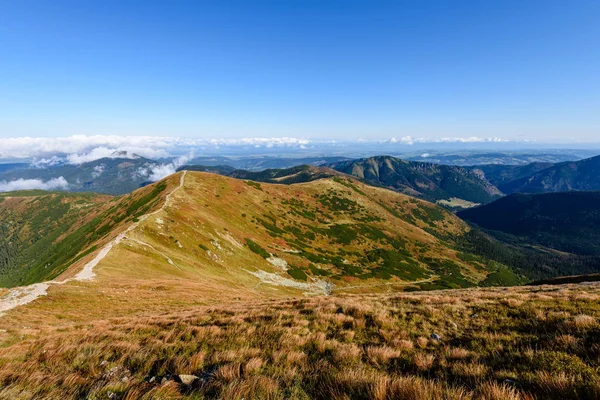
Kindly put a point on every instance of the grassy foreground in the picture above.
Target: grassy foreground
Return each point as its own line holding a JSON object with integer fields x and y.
{"x": 519, "y": 343}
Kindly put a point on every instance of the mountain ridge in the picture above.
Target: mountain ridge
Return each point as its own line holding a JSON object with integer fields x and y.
{"x": 432, "y": 182}
{"x": 583, "y": 175}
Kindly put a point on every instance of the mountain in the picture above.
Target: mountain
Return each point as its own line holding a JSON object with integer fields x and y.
{"x": 577, "y": 175}
{"x": 498, "y": 174}
{"x": 450, "y": 185}
{"x": 566, "y": 221}
{"x": 333, "y": 232}
{"x": 119, "y": 174}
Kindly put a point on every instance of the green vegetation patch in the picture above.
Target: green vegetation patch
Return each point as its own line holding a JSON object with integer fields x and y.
{"x": 297, "y": 273}
{"x": 255, "y": 185}
{"x": 255, "y": 247}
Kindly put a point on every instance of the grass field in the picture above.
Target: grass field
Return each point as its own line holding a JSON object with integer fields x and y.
{"x": 516, "y": 343}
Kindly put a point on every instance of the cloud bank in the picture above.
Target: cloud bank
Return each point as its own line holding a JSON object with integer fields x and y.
{"x": 78, "y": 149}
{"x": 29, "y": 184}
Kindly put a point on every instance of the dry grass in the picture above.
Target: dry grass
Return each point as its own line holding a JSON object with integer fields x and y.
{"x": 378, "y": 347}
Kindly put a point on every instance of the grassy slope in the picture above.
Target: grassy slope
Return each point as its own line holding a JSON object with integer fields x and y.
{"x": 34, "y": 226}
{"x": 360, "y": 238}
{"x": 46, "y": 233}
{"x": 500, "y": 344}
{"x": 337, "y": 229}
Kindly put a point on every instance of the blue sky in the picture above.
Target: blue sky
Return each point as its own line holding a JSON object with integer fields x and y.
{"x": 313, "y": 69}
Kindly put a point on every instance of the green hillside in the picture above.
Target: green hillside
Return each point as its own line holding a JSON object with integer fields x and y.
{"x": 43, "y": 233}
{"x": 566, "y": 221}
{"x": 500, "y": 174}
{"x": 577, "y": 175}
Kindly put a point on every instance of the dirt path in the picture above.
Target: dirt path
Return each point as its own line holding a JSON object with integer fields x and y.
{"x": 26, "y": 294}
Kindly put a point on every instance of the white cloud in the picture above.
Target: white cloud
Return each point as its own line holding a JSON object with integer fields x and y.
{"x": 160, "y": 171}
{"x": 47, "y": 162}
{"x": 28, "y": 184}
{"x": 82, "y": 147}
{"x": 472, "y": 139}
{"x": 98, "y": 170}
{"x": 28, "y": 147}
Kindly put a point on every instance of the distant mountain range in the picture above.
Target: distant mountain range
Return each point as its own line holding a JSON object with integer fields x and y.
{"x": 257, "y": 163}
{"x": 578, "y": 175}
{"x": 452, "y": 186}
{"x": 499, "y": 175}
{"x": 469, "y": 158}
{"x": 433, "y": 182}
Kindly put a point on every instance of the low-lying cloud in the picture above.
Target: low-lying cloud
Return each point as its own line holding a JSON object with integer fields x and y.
{"x": 98, "y": 170}
{"x": 29, "y": 184}
{"x": 156, "y": 172}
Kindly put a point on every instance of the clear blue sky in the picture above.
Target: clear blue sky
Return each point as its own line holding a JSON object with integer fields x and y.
{"x": 336, "y": 69}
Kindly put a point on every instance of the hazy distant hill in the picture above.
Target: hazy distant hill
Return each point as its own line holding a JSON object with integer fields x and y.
{"x": 432, "y": 182}
{"x": 121, "y": 174}
{"x": 258, "y": 163}
{"x": 473, "y": 157}
{"x": 578, "y": 175}
{"x": 568, "y": 221}
{"x": 12, "y": 166}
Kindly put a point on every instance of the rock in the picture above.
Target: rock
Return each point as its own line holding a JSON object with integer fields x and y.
{"x": 187, "y": 379}
{"x": 436, "y": 337}
{"x": 152, "y": 380}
